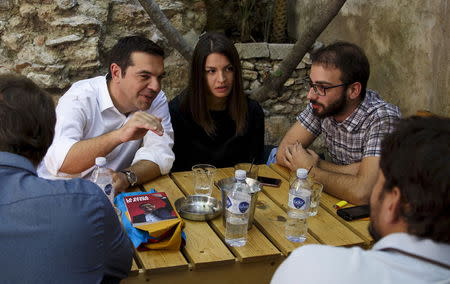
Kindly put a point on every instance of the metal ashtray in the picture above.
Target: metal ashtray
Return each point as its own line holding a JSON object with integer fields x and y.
{"x": 198, "y": 207}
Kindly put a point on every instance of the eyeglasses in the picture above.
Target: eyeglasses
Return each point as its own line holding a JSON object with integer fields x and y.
{"x": 320, "y": 89}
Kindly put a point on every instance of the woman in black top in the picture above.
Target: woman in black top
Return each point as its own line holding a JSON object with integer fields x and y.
{"x": 213, "y": 120}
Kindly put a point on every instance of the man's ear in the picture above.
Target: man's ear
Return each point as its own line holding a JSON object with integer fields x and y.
{"x": 116, "y": 71}
{"x": 393, "y": 205}
{"x": 354, "y": 90}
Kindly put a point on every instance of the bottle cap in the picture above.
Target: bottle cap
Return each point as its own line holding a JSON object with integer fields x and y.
{"x": 240, "y": 174}
{"x": 302, "y": 173}
{"x": 100, "y": 161}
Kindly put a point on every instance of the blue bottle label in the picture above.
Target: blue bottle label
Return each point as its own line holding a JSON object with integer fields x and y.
{"x": 301, "y": 200}
{"x": 108, "y": 189}
{"x": 243, "y": 206}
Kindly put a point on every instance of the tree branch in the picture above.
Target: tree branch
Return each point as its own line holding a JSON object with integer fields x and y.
{"x": 306, "y": 39}
{"x": 165, "y": 27}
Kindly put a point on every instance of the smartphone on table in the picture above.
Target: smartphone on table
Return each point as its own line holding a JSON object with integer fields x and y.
{"x": 354, "y": 213}
{"x": 268, "y": 181}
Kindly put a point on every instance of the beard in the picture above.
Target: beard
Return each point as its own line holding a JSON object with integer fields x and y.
{"x": 374, "y": 232}
{"x": 333, "y": 109}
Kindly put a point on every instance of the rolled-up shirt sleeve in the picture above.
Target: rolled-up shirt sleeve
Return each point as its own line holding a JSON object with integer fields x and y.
{"x": 71, "y": 119}
{"x": 155, "y": 148}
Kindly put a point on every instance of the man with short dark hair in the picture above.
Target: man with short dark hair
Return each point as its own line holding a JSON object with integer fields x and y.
{"x": 410, "y": 217}
{"x": 352, "y": 118}
{"x": 123, "y": 116}
{"x": 50, "y": 231}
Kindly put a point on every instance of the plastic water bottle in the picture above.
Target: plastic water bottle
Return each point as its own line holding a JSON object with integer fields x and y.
{"x": 102, "y": 176}
{"x": 237, "y": 211}
{"x": 298, "y": 207}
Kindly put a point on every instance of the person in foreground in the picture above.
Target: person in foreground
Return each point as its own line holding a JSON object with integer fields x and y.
{"x": 213, "y": 120}
{"x": 122, "y": 116}
{"x": 410, "y": 217}
{"x": 51, "y": 231}
{"x": 352, "y": 118}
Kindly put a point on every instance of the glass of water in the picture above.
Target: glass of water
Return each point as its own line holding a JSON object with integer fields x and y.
{"x": 315, "y": 197}
{"x": 203, "y": 178}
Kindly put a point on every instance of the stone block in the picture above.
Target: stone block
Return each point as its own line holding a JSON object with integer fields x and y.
{"x": 307, "y": 59}
{"x": 76, "y": 21}
{"x": 252, "y": 50}
{"x": 66, "y": 4}
{"x": 27, "y": 10}
{"x": 64, "y": 39}
{"x": 12, "y": 41}
{"x": 249, "y": 75}
{"x": 289, "y": 82}
{"x": 301, "y": 65}
{"x": 278, "y": 51}
{"x": 54, "y": 68}
{"x": 42, "y": 80}
{"x": 248, "y": 65}
{"x": 255, "y": 85}
{"x": 6, "y": 4}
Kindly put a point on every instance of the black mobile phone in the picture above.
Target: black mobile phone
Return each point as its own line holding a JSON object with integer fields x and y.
{"x": 275, "y": 182}
{"x": 354, "y": 213}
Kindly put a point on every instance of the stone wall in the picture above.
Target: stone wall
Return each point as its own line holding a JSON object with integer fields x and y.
{"x": 407, "y": 43}
{"x": 58, "y": 42}
{"x": 258, "y": 61}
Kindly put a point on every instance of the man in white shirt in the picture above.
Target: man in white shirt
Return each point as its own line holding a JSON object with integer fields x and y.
{"x": 410, "y": 217}
{"x": 122, "y": 116}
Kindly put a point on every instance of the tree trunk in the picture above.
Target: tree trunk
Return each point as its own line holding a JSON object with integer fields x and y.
{"x": 274, "y": 83}
{"x": 165, "y": 27}
{"x": 279, "y": 21}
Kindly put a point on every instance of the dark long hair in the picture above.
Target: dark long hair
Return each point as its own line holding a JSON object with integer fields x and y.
{"x": 194, "y": 99}
{"x": 27, "y": 118}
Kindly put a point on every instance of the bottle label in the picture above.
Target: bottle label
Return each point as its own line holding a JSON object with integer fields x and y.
{"x": 108, "y": 189}
{"x": 238, "y": 205}
{"x": 300, "y": 201}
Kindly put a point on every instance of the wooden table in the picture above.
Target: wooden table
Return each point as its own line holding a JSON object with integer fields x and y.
{"x": 206, "y": 258}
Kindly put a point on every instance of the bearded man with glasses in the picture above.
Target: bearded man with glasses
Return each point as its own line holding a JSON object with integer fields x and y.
{"x": 352, "y": 118}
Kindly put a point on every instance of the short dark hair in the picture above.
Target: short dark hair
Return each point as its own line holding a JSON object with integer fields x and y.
{"x": 27, "y": 118}
{"x": 194, "y": 101}
{"x": 415, "y": 158}
{"x": 349, "y": 58}
{"x": 121, "y": 52}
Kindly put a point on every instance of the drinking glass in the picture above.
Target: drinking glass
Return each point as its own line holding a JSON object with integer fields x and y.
{"x": 203, "y": 178}
{"x": 316, "y": 189}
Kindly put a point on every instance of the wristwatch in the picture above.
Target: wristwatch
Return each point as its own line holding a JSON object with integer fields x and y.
{"x": 131, "y": 177}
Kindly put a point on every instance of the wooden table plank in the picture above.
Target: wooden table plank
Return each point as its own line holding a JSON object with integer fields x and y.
{"x": 360, "y": 227}
{"x": 258, "y": 247}
{"x": 324, "y": 227}
{"x": 203, "y": 247}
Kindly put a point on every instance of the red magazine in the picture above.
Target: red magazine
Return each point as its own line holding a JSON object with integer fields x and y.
{"x": 149, "y": 208}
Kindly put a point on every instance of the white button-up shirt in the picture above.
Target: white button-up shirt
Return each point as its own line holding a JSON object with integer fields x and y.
{"x": 326, "y": 264}
{"x": 87, "y": 111}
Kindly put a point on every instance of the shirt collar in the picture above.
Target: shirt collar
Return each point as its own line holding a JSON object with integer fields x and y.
{"x": 361, "y": 112}
{"x": 104, "y": 99}
{"x": 13, "y": 160}
{"x": 426, "y": 248}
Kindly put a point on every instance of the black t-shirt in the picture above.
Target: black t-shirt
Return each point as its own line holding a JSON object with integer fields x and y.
{"x": 224, "y": 148}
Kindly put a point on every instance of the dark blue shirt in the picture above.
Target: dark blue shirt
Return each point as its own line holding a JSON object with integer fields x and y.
{"x": 57, "y": 231}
